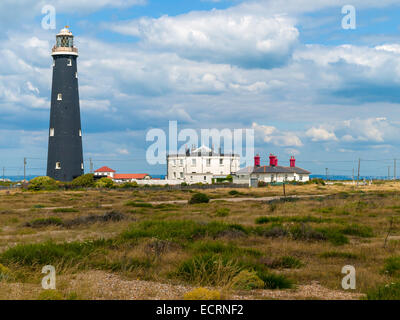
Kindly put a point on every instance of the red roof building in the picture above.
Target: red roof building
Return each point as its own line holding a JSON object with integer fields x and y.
{"x": 122, "y": 177}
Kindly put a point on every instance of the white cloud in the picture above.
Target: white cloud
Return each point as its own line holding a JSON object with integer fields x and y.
{"x": 272, "y": 135}
{"x": 235, "y": 36}
{"x": 320, "y": 134}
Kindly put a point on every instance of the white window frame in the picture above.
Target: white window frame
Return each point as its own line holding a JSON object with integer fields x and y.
{"x": 59, "y": 97}
{"x": 80, "y": 132}
{"x": 51, "y": 132}
{"x": 76, "y": 75}
{"x": 58, "y": 165}
{"x": 69, "y": 64}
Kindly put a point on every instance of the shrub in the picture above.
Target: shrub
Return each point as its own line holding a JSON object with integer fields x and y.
{"x": 202, "y": 294}
{"x": 337, "y": 254}
{"x": 286, "y": 262}
{"x": 105, "y": 183}
{"x": 42, "y": 183}
{"x": 178, "y": 230}
{"x": 274, "y": 281}
{"x": 138, "y": 204}
{"x": 4, "y": 273}
{"x": 50, "y": 252}
{"x": 261, "y": 184}
{"x": 334, "y": 236}
{"x": 112, "y": 216}
{"x": 65, "y": 210}
{"x": 84, "y": 181}
{"x": 233, "y": 192}
{"x": 247, "y": 280}
{"x": 305, "y": 232}
{"x": 392, "y": 266}
{"x": 358, "y": 230}
{"x": 44, "y": 222}
{"x": 385, "y": 292}
{"x": 222, "y": 212}
{"x": 199, "y": 198}
{"x": 129, "y": 185}
{"x": 208, "y": 269}
{"x": 50, "y": 295}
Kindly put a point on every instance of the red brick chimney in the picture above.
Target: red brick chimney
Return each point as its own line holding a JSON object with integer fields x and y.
{"x": 257, "y": 160}
{"x": 292, "y": 162}
{"x": 273, "y": 160}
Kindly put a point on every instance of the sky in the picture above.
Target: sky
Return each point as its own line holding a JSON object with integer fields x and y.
{"x": 285, "y": 68}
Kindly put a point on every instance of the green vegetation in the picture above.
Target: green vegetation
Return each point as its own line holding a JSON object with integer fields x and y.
{"x": 84, "y": 181}
{"x": 44, "y": 222}
{"x": 199, "y": 198}
{"x": 392, "y": 266}
{"x": 42, "y": 183}
{"x": 385, "y": 292}
{"x": 138, "y": 204}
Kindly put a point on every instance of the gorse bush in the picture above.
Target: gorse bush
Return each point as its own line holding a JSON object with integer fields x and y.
{"x": 199, "y": 198}
{"x": 105, "y": 183}
{"x": 222, "y": 212}
{"x": 84, "y": 181}
{"x": 247, "y": 280}
{"x": 42, "y": 183}
{"x": 202, "y": 294}
{"x": 4, "y": 273}
{"x": 44, "y": 222}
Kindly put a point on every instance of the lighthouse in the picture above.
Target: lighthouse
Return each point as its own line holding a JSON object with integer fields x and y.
{"x": 65, "y": 156}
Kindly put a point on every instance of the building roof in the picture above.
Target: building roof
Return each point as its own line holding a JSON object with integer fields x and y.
{"x": 272, "y": 169}
{"x": 137, "y": 176}
{"x": 105, "y": 169}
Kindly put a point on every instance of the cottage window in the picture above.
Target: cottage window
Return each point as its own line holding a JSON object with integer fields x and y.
{"x": 193, "y": 162}
{"x": 181, "y": 174}
{"x": 205, "y": 178}
{"x": 221, "y": 161}
{"x": 300, "y": 178}
{"x": 181, "y": 162}
{"x": 208, "y": 162}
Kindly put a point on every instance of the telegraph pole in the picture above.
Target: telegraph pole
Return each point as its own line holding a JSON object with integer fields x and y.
{"x": 326, "y": 173}
{"x": 394, "y": 169}
{"x": 24, "y": 169}
{"x": 91, "y": 165}
{"x": 358, "y": 175}
{"x": 388, "y": 173}
{"x": 4, "y": 176}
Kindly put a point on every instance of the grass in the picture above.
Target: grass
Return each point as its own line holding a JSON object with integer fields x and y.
{"x": 280, "y": 242}
{"x": 178, "y": 230}
{"x": 385, "y": 292}
{"x": 65, "y": 210}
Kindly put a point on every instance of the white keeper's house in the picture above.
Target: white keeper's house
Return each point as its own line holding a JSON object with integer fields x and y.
{"x": 272, "y": 173}
{"x": 201, "y": 165}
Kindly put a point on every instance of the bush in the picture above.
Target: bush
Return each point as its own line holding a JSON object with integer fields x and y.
{"x": 50, "y": 295}
{"x": 337, "y": 254}
{"x": 4, "y": 273}
{"x": 84, "y": 181}
{"x": 129, "y": 185}
{"x": 386, "y": 292}
{"x": 261, "y": 184}
{"x": 44, "y": 222}
{"x": 233, "y": 193}
{"x": 392, "y": 266}
{"x": 178, "y": 230}
{"x": 199, "y": 198}
{"x": 286, "y": 262}
{"x": 50, "y": 252}
{"x": 247, "y": 280}
{"x": 222, "y": 212}
{"x": 202, "y": 294}
{"x": 274, "y": 281}
{"x": 42, "y": 183}
{"x": 358, "y": 230}
{"x": 138, "y": 204}
{"x": 65, "y": 210}
{"x": 112, "y": 216}
{"x": 208, "y": 269}
{"x": 105, "y": 183}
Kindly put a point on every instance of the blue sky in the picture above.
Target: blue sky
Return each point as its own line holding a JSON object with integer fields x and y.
{"x": 286, "y": 69}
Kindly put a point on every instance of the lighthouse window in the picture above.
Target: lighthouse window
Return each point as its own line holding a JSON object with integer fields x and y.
{"x": 51, "y": 132}
{"x": 58, "y": 165}
{"x": 69, "y": 63}
{"x": 82, "y": 165}
{"x": 76, "y": 75}
{"x": 80, "y": 133}
{"x": 59, "y": 97}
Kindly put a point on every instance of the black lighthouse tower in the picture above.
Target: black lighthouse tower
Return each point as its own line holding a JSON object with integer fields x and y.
{"x": 65, "y": 156}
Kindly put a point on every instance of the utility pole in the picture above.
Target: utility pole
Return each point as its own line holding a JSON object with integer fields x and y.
{"x": 353, "y": 175}
{"x": 4, "y": 176}
{"x": 394, "y": 169}
{"x": 91, "y": 165}
{"x": 388, "y": 173}
{"x": 358, "y": 175}
{"x": 24, "y": 169}
{"x": 326, "y": 173}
